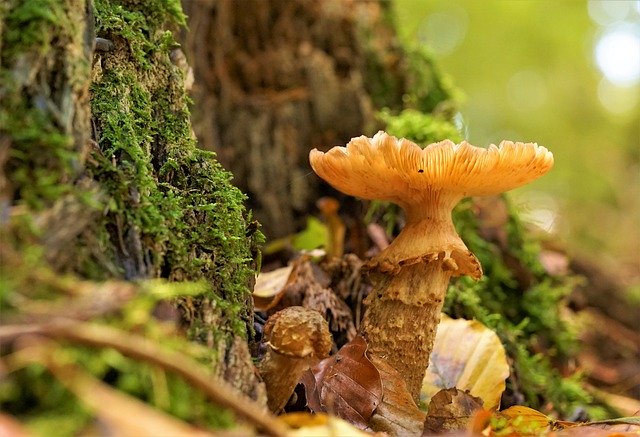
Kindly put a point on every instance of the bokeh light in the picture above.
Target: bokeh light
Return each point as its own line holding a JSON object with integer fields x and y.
{"x": 617, "y": 54}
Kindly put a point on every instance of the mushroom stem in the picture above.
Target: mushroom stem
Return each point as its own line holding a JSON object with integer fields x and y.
{"x": 281, "y": 373}
{"x": 402, "y": 316}
{"x": 296, "y": 338}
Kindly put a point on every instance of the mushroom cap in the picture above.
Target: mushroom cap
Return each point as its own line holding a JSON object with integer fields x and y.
{"x": 298, "y": 332}
{"x": 427, "y": 183}
{"x": 386, "y": 168}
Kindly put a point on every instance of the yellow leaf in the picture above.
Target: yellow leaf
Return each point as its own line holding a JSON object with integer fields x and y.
{"x": 528, "y": 416}
{"x": 269, "y": 285}
{"x": 319, "y": 425}
{"x": 469, "y": 356}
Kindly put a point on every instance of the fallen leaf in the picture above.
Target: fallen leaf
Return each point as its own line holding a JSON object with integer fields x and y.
{"x": 397, "y": 414}
{"x": 528, "y": 415}
{"x": 480, "y": 421}
{"x": 451, "y": 410}
{"x": 594, "y": 431}
{"x": 519, "y": 421}
{"x": 516, "y": 421}
{"x": 617, "y": 427}
{"x": 346, "y": 384}
{"x": 319, "y": 425}
{"x": 308, "y": 286}
{"x": 315, "y": 235}
{"x": 469, "y": 356}
{"x": 270, "y": 286}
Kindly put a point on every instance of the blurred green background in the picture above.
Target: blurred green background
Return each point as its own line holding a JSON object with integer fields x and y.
{"x": 564, "y": 74}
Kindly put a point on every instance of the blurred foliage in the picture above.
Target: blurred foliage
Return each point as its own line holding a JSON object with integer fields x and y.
{"x": 528, "y": 72}
{"x": 49, "y": 405}
{"x": 313, "y": 236}
{"x": 524, "y": 319}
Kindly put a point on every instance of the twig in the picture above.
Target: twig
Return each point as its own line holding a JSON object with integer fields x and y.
{"x": 138, "y": 347}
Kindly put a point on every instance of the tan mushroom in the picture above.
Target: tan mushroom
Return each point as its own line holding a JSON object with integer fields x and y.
{"x": 296, "y": 338}
{"x": 410, "y": 277}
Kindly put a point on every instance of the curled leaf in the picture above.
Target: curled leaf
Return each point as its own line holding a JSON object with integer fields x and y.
{"x": 270, "y": 286}
{"x": 397, "y": 414}
{"x": 346, "y": 384}
{"x": 451, "y": 410}
{"x": 469, "y": 356}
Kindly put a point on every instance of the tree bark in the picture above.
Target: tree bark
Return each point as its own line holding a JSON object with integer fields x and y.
{"x": 275, "y": 78}
{"x": 100, "y": 169}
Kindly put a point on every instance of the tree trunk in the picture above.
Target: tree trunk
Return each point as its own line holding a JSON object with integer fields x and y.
{"x": 100, "y": 169}
{"x": 275, "y": 78}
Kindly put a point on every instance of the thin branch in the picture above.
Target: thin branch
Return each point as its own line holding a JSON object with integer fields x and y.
{"x": 141, "y": 348}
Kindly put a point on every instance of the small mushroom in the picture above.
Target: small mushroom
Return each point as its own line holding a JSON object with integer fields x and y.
{"x": 296, "y": 338}
{"x": 329, "y": 207}
{"x": 410, "y": 277}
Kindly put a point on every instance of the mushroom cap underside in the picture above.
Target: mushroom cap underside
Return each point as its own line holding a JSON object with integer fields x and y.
{"x": 398, "y": 170}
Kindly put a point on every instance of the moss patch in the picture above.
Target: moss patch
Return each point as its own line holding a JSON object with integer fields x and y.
{"x": 176, "y": 199}
{"x": 127, "y": 196}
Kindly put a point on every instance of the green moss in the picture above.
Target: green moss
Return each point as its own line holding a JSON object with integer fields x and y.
{"x": 141, "y": 24}
{"x": 31, "y": 25}
{"x": 166, "y": 209}
{"x": 423, "y": 128}
{"x": 526, "y": 320}
{"x": 33, "y": 33}
{"x": 183, "y": 201}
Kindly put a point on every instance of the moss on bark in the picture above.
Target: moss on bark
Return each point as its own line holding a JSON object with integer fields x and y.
{"x": 102, "y": 179}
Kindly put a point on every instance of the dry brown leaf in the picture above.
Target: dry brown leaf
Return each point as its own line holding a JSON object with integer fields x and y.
{"x": 451, "y": 410}
{"x": 469, "y": 356}
{"x": 308, "y": 286}
{"x": 346, "y": 384}
{"x": 397, "y": 414}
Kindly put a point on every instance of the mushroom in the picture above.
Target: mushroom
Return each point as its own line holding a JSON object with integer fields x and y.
{"x": 410, "y": 277}
{"x": 296, "y": 338}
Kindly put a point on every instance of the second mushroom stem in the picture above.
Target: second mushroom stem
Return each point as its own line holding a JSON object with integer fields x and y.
{"x": 403, "y": 312}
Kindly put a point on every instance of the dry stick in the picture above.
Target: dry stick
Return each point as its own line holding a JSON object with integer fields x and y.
{"x": 138, "y": 347}
{"x": 122, "y": 414}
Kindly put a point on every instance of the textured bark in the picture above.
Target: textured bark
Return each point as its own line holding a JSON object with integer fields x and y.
{"x": 275, "y": 78}
{"x": 100, "y": 171}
